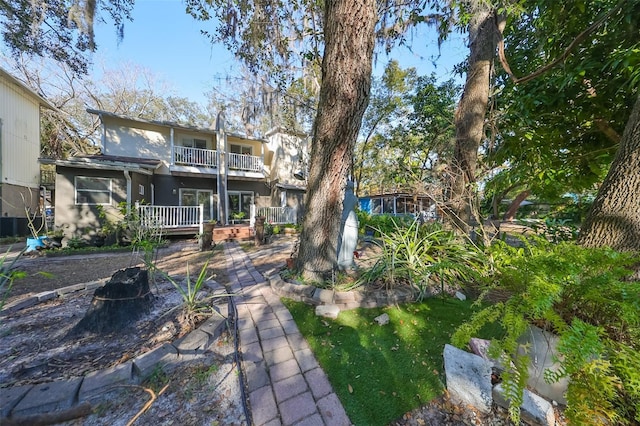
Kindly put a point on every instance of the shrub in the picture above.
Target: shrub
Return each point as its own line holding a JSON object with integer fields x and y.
{"x": 586, "y": 297}
{"x": 422, "y": 256}
{"x": 381, "y": 223}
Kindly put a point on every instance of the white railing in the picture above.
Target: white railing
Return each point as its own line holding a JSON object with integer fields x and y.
{"x": 279, "y": 215}
{"x": 166, "y": 217}
{"x": 195, "y": 156}
{"x": 245, "y": 162}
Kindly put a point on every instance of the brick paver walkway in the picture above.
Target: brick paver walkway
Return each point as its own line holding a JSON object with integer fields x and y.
{"x": 285, "y": 384}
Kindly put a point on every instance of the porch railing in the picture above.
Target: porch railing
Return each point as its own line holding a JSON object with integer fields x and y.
{"x": 195, "y": 156}
{"x": 171, "y": 217}
{"x": 278, "y": 215}
{"x": 244, "y": 162}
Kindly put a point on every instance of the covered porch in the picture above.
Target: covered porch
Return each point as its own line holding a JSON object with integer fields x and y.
{"x": 189, "y": 221}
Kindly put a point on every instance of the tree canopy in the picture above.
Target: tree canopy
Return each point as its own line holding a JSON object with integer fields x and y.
{"x": 558, "y": 132}
{"x": 60, "y": 29}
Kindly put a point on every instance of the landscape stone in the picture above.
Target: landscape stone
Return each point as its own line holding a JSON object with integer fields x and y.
{"x": 541, "y": 347}
{"x": 46, "y": 397}
{"x": 193, "y": 341}
{"x": 163, "y": 357}
{"x": 20, "y": 304}
{"x": 323, "y": 296}
{"x": 332, "y": 411}
{"x": 46, "y": 295}
{"x": 534, "y": 410}
{"x": 382, "y": 319}
{"x": 213, "y": 326}
{"x": 98, "y": 382}
{"x": 71, "y": 289}
{"x": 468, "y": 378}
{"x": 327, "y": 311}
{"x": 263, "y": 405}
{"x": 297, "y": 408}
{"x": 9, "y": 397}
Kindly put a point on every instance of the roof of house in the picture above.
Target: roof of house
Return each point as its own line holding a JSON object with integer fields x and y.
{"x": 107, "y": 162}
{"x": 41, "y": 100}
{"x": 210, "y": 130}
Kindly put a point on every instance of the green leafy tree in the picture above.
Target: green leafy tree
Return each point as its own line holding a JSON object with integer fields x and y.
{"x": 558, "y": 130}
{"x": 389, "y": 104}
{"x": 61, "y": 30}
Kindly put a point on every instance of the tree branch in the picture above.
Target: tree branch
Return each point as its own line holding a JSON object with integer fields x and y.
{"x": 579, "y": 39}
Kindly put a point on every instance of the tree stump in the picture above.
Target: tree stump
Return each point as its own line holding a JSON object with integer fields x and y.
{"x": 117, "y": 305}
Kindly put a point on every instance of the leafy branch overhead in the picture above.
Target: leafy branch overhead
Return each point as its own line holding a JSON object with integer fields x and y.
{"x": 62, "y": 30}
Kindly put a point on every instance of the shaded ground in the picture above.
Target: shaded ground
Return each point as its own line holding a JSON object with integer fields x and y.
{"x": 198, "y": 394}
{"x": 35, "y": 345}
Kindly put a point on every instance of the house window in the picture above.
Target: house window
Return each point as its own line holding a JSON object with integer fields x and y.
{"x": 241, "y": 149}
{"x": 195, "y": 197}
{"x": 93, "y": 190}
{"x": 141, "y": 189}
{"x": 376, "y": 206}
{"x": 194, "y": 143}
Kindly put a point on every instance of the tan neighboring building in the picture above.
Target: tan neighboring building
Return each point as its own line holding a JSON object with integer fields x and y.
{"x": 19, "y": 151}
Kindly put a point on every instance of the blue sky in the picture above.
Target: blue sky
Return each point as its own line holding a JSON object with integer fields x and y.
{"x": 164, "y": 39}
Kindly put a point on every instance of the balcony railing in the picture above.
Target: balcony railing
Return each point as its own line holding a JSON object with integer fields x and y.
{"x": 278, "y": 215}
{"x": 249, "y": 163}
{"x": 170, "y": 217}
{"x": 188, "y": 156}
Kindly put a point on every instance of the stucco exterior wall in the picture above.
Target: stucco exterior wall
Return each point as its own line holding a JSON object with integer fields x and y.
{"x": 128, "y": 138}
{"x": 80, "y": 219}
{"x": 144, "y": 141}
{"x": 289, "y": 153}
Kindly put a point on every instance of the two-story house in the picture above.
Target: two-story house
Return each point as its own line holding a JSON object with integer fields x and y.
{"x": 20, "y": 192}
{"x": 173, "y": 168}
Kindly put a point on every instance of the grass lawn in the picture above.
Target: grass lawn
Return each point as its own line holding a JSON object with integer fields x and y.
{"x": 381, "y": 372}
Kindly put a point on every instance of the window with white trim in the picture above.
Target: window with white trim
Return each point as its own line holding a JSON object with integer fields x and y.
{"x": 194, "y": 143}
{"x": 93, "y": 190}
{"x": 241, "y": 149}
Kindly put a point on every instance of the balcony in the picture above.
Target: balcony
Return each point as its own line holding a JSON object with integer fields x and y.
{"x": 245, "y": 163}
{"x": 195, "y": 157}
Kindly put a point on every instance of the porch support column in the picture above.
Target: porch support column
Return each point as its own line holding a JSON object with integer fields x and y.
{"x": 221, "y": 136}
{"x": 171, "y": 141}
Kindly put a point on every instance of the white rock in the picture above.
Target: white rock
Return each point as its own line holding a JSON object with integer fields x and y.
{"x": 460, "y": 296}
{"x": 327, "y": 311}
{"x": 382, "y": 319}
{"x": 541, "y": 346}
{"x": 534, "y": 410}
{"x": 468, "y": 378}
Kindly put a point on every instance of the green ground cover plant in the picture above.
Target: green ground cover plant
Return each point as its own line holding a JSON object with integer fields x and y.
{"x": 587, "y": 297}
{"x": 422, "y": 257}
{"x": 381, "y": 372}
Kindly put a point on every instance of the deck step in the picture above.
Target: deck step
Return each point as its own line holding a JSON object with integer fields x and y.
{"x": 232, "y": 233}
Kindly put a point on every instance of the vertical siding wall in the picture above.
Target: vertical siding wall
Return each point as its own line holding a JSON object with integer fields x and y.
{"x": 147, "y": 142}
{"x": 20, "y": 115}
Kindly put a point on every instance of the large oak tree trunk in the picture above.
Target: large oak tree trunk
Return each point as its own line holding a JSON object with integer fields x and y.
{"x": 614, "y": 219}
{"x": 484, "y": 31}
{"x": 344, "y": 95}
